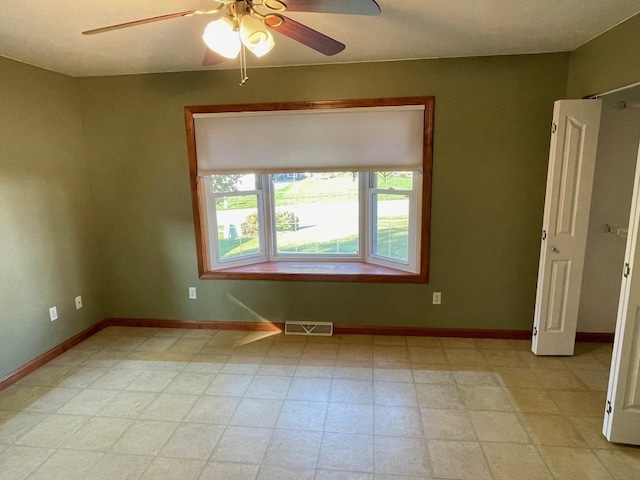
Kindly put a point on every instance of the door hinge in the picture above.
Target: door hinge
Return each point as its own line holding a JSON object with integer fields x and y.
{"x": 544, "y": 234}
{"x": 535, "y": 331}
{"x": 554, "y": 127}
{"x": 627, "y": 270}
{"x": 609, "y": 408}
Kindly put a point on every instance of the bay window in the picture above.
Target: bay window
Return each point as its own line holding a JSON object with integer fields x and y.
{"x": 313, "y": 191}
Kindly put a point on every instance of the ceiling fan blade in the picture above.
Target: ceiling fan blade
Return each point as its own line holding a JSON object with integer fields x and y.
{"x": 160, "y": 18}
{"x": 354, "y": 7}
{"x": 211, "y": 58}
{"x": 305, "y": 35}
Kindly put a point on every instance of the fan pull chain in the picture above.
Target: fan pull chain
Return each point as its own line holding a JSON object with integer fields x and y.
{"x": 243, "y": 67}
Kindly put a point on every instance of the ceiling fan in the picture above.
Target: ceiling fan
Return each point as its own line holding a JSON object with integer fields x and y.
{"x": 247, "y": 24}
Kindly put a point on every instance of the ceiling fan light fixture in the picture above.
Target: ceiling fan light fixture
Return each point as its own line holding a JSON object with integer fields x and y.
{"x": 255, "y": 36}
{"x": 221, "y": 37}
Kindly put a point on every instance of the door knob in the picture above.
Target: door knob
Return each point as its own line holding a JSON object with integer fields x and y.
{"x": 555, "y": 250}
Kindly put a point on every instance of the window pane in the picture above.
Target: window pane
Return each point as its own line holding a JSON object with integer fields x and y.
{"x": 394, "y": 180}
{"x": 391, "y": 230}
{"x": 316, "y": 213}
{"x": 238, "y": 232}
{"x": 233, "y": 183}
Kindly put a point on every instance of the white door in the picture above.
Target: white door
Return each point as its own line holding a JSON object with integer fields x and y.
{"x": 572, "y": 158}
{"x": 622, "y": 410}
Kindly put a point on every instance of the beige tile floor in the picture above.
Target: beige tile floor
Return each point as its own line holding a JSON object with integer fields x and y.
{"x": 144, "y": 403}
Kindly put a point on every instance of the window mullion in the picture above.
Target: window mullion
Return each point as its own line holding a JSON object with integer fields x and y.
{"x": 267, "y": 210}
{"x": 415, "y": 215}
{"x": 365, "y": 217}
{"x": 212, "y": 224}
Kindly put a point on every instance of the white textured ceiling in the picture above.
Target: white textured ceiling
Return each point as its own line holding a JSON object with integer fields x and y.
{"x": 48, "y": 33}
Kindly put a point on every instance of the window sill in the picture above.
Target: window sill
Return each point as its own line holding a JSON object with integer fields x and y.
{"x": 316, "y": 272}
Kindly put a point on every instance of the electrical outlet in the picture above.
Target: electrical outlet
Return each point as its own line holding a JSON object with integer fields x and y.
{"x": 437, "y": 298}
{"x": 78, "y": 302}
{"x": 192, "y": 293}
{"x": 53, "y": 313}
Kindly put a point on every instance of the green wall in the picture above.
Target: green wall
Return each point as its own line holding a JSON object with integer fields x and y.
{"x": 47, "y": 234}
{"x": 607, "y": 62}
{"x": 490, "y": 159}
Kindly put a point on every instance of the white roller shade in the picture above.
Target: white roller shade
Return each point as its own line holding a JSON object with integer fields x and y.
{"x": 362, "y": 138}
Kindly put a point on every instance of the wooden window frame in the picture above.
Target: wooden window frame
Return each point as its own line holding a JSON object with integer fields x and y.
{"x": 343, "y": 271}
